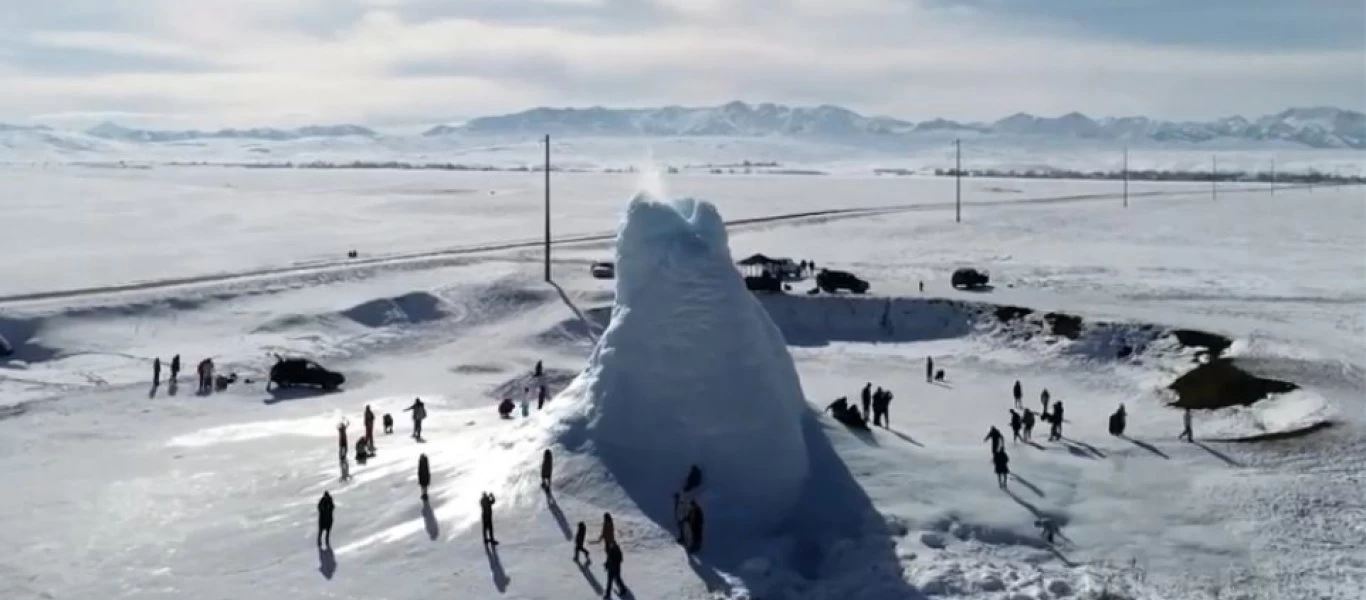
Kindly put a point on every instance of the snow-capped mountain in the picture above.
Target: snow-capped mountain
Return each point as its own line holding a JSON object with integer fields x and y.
{"x": 113, "y": 131}
{"x": 1319, "y": 127}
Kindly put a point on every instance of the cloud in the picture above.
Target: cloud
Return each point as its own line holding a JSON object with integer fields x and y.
{"x": 249, "y": 62}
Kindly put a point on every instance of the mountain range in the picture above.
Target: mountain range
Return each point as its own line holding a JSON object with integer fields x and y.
{"x": 1316, "y": 127}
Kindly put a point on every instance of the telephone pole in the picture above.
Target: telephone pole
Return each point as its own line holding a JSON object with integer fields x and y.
{"x": 547, "y": 208}
{"x": 957, "y": 181}
{"x": 1126, "y": 177}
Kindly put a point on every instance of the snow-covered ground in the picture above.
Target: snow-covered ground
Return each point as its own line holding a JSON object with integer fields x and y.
{"x": 119, "y": 489}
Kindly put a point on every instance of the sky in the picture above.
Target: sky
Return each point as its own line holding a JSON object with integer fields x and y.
{"x": 221, "y": 63}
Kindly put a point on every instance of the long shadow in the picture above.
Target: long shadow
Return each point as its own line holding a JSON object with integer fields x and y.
{"x": 588, "y": 325}
{"x": 1089, "y": 448}
{"x": 555, "y": 511}
{"x": 1034, "y": 444}
{"x": 429, "y": 520}
{"x": 588, "y": 576}
{"x": 1076, "y": 450}
{"x": 713, "y": 580}
{"x": 1217, "y": 454}
{"x": 152, "y": 393}
{"x": 943, "y": 384}
{"x": 500, "y": 577}
{"x": 832, "y": 523}
{"x": 905, "y": 437}
{"x": 327, "y": 562}
{"x": 1038, "y": 514}
{"x": 173, "y": 388}
{"x": 1146, "y": 446}
{"x": 1026, "y": 483}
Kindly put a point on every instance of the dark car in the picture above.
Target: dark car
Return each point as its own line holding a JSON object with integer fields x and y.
{"x": 831, "y": 281}
{"x": 969, "y": 278}
{"x": 296, "y": 372}
{"x": 763, "y": 283}
{"x": 603, "y": 270}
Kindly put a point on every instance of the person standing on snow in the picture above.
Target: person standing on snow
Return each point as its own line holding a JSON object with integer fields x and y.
{"x": 1043, "y": 399}
{"x": 1002, "y": 463}
{"x": 1055, "y": 433}
{"x": 547, "y": 469}
{"x": 369, "y": 428}
{"x": 325, "y": 507}
{"x": 175, "y": 367}
{"x": 929, "y": 369}
{"x": 156, "y": 371}
{"x": 526, "y": 402}
{"x": 580, "y": 535}
{"x": 1015, "y": 424}
{"x": 424, "y": 475}
{"x": 881, "y": 404}
{"x": 609, "y": 531}
{"x": 1018, "y": 393}
{"x": 341, "y": 437}
{"x": 997, "y": 440}
{"x": 1028, "y": 422}
{"x": 613, "y": 567}
{"x": 867, "y": 397}
{"x": 1186, "y": 433}
{"x": 419, "y": 413}
{"x": 486, "y": 501}
{"x": 540, "y": 398}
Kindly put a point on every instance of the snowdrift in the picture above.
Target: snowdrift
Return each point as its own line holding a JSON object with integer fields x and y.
{"x": 691, "y": 371}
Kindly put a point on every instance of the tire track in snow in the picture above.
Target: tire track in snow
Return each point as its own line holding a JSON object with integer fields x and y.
{"x": 410, "y": 258}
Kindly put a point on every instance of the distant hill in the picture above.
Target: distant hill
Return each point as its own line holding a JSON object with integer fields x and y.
{"x": 1318, "y": 127}
{"x": 113, "y": 131}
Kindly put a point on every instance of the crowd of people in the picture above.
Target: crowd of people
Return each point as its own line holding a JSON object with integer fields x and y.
{"x": 208, "y": 379}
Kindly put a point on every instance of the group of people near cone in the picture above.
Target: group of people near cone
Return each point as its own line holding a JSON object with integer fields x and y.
{"x": 507, "y": 406}
{"x": 365, "y": 446}
{"x": 207, "y": 381}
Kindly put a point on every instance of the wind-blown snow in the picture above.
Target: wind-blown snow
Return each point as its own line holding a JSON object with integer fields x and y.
{"x": 692, "y": 371}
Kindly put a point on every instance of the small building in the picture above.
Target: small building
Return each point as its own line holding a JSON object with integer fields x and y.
{"x": 784, "y": 269}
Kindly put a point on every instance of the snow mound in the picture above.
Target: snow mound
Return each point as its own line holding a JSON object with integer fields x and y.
{"x": 691, "y": 370}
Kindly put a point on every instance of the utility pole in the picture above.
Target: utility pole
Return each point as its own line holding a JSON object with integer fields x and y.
{"x": 1214, "y": 178}
{"x": 547, "y": 208}
{"x": 957, "y": 181}
{"x": 1126, "y": 177}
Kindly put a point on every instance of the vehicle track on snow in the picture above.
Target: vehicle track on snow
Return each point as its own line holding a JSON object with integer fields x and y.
{"x": 409, "y": 258}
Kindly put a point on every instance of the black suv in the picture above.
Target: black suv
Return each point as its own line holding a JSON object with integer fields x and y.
{"x": 294, "y": 372}
{"x": 831, "y": 281}
{"x": 969, "y": 278}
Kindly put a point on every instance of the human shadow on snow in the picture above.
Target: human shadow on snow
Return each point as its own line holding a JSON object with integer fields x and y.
{"x": 555, "y": 511}
{"x": 429, "y": 521}
{"x": 833, "y": 529}
{"x": 500, "y": 577}
{"x": 1026, "y": 483}
{"x": 1146, "y": 446}
{"x": 905, "y": 437}
{"x": 587, "y": 571}
{"x": 1088, "y": 447}
{"x": 327, "y": 562}
{"x": 1217, "y": 454}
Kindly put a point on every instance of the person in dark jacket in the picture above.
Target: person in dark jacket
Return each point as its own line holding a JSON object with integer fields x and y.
{"x": 540, "y": 398}
{"x": 175, "y": 367}
{"x": 1015, "y": 424}
{"x": 1028, "y": 422}
{"x": 1055, "y": 432}
{"x": 695, "y": 528}
{"x": 325, "y": 508}
{"x": 1002, "y": 463}
{"x": 547, "y": 469}
{"x": 929, "y": 369}
{"x": 424, "y": 475}
{"x": 486, "y": 501}
{"x": 882, "y": 400}
{"x": 613, "y": 567}
{"x": 369, "y": 428}
{"x": 156, "y": 371}
{"x": 867, "y": 396}
{"x": 419, "y": 413}
{"x": 341, "y": 437}
{"x": 997, "y": 440}
{"x": 388, "y": 423}
{"x": 1117, "y": 421}
{"x": 580, "y": 534}
{"x": 609, "y": 531}
{"x": 362, "y": 453}
{"x": 1018, "y": 393}
{"x": 1043, "y": 399}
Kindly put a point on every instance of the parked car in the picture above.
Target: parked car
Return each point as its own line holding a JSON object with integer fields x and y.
{"x": 831, "y": 281}
{"x": 297, "y": 372}
{"x": 763, "y": 283}
{"x": 969, "y": 278}
{"x": 603, "y": 270}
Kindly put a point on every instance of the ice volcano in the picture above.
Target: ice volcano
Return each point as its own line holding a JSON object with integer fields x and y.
{"x": 690, "y": 370}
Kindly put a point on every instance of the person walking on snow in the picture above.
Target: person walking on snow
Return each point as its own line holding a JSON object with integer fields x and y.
{"x": 609, "y": 531}
{"x": 325, "y": 508}
{"x": 881, "y": 407}
{"x": 1002, "y": 464}
{"x": 547, "y": 469}
{"x": 341, "y": 437}
{"x": 1028, "y": 423}
{"x": 997, "y": 440}
{"x": 1018, "y": 393}
{"x": 1015, "y": 424}
{"x": 175, "y": 367}
{"x": 613, "y": 567}
{"x": 540, "y": 398}
{"x": 486, "y": 501}
{"x": 369, "y": 428}
{"x": 1043, "y": 399}
{"x": 526, "y": 402}
{"x": 929, "y": 369}
{"x": 867, "y": 397}
{"x": 156, "y": 371}
{"x": 1055, "y": 432}
{"x": 419, "y": 413}
{"x": 580, "y": 534}
{"x": 1186, "y": 433}
{"x": 424, "y": 475}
